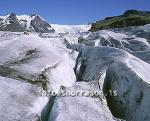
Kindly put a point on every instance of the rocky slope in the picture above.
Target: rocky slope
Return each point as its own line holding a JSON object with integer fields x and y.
{"x": 129, "y": 18}
{"x": 33, "y": 23}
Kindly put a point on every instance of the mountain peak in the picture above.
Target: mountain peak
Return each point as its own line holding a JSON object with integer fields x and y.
{"x": 129, "y": 12}
{"x": 12, "y": 15}
{"x": 35, "y": 15}
{"x": 33, "y": 23}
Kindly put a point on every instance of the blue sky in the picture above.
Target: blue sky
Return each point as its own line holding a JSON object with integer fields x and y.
{"x": 72, "y": 11}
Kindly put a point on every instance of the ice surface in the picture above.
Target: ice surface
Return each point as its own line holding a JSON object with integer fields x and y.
{"x": 70, "y": 28}
{"x": 121, "y": 57}
{"x": 79, "y": 107}
{"x": 19, "y": 100}
{"x": 115, "y": 59}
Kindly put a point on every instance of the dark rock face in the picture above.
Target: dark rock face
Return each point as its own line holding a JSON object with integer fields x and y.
{"x": 14, "y": 24}
{"x": 129, "y": 18}
{"x": 43, "y": 26}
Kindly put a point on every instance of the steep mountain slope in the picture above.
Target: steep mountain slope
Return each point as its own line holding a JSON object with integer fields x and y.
{"x": 33, "y": 23}
{"x": 129, "y": 18}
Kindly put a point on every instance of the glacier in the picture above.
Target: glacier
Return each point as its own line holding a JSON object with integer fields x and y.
{"x": 74, "y": 59}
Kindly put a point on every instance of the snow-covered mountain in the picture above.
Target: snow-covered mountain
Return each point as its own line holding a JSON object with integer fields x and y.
{"x": 15, "y": 23}
{"x": 35, "y": 23}
{"x": 75, "y": 61}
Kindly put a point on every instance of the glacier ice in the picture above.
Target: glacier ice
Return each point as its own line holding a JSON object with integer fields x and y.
{"x": 76, "y": 60}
